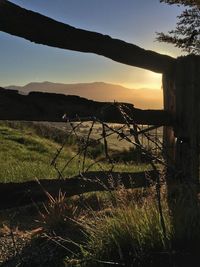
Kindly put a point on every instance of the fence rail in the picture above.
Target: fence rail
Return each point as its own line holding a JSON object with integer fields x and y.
{"x": 19, "y": 194}
{"x": 37, "y": 106}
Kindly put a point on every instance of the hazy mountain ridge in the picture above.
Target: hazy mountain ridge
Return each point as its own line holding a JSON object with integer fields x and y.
{"x": 100, "y": 91}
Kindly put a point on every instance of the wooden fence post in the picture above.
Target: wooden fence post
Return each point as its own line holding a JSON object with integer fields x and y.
{"x": 182, "y": 99}
{"x": 168, "y": 131}
{"x": 187, "y": 85}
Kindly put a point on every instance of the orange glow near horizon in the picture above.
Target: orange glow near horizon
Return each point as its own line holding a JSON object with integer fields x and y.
{"x": 146, "y": 79}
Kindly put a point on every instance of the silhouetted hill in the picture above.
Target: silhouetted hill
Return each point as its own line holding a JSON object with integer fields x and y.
{"x": 99, "y": 91}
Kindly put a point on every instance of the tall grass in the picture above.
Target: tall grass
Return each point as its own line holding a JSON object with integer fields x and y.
{"x": 130, "y": 233}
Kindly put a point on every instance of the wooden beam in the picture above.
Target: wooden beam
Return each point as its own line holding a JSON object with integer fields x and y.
{"x": 37, "y": 106}
{"x": 43, "y": 30}
{"x": 19, "y": 194}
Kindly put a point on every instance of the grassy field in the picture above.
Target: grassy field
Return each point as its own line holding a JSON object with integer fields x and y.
{"x": 115, "y": 143}
{"x": 121, "y": 228}
{"x": 27, "y": 150}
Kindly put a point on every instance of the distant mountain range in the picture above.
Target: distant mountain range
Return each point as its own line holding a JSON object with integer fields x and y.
{"x": 100, "y": 91}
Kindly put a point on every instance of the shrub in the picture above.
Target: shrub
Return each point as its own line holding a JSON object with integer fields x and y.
{"x": 59, "y": 214}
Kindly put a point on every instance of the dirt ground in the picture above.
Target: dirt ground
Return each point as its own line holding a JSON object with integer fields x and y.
{"x": 23, "y": 242}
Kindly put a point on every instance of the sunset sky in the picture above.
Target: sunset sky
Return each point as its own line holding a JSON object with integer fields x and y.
{"x": 134, "y": 21}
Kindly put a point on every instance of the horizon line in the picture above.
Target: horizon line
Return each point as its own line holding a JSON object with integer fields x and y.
{"x": 88, "y": 82}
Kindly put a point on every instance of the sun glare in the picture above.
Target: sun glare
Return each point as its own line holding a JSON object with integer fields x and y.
{"x": 155, "y": 79}
{"x": 147, "y": 79}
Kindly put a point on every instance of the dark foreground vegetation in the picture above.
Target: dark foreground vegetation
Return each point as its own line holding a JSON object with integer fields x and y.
{"x": 123, "y": 227}
{"x": 103, "y": 229}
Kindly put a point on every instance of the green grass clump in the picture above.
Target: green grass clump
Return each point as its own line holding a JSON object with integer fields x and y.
{"x": 125, "y": 228}
{"x": 59, "y": 214}
{"x": 128, "y": 234}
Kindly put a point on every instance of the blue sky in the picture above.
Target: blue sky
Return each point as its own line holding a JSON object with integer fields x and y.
{"x": 134, "y": 21}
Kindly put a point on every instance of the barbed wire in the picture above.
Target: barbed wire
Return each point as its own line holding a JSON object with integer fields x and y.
{"x": 130, "y": 132}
